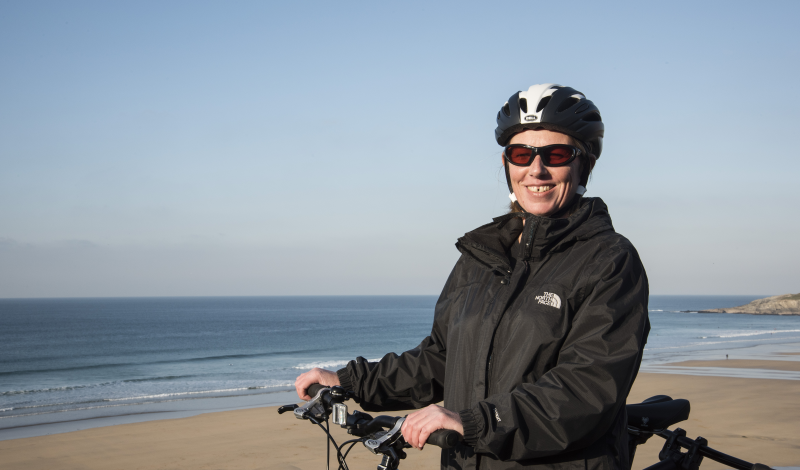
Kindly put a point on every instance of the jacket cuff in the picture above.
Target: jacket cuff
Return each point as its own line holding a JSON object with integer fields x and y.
{"x": 344, "y": 379}
{"x": 471, "y": 426}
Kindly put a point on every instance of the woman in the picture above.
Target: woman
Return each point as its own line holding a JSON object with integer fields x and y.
{"x": 539, "y": 331}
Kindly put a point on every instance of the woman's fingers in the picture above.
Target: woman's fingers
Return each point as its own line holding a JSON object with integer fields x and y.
{"x": 314, "y": 376}
{"x": 419, "y": 425}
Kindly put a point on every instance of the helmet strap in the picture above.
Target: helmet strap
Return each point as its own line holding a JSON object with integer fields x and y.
{"x": 511, "y": 194}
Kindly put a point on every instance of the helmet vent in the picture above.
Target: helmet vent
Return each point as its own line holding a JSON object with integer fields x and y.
{"x": 542, "y": 103}
{"x": 506, "y": 110}
{"x": 593, "y": 117}
{"x": 567, "y": 103}
{"x": 523, "y": 105}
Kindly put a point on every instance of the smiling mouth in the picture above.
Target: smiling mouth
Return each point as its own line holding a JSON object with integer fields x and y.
{"x": 540, "y": 189}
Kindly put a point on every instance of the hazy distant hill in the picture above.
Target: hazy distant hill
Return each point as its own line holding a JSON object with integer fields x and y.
{"x": 787, "y": 304}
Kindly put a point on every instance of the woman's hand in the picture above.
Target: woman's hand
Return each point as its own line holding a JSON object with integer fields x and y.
{"x": 314, "y": 376}
{"x": 420, "y": 424}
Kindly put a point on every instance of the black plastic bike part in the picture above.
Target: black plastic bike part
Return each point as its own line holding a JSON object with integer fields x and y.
{"x": 283, "y": 409}
{"x": 338, "y": 394}
{"x": 668, "y": 464}
{"x": 693, "y": 458}
{"x": 378, "y": 423}
{"x": 670, "y": 456}
{"x": 391, "y": 460}
{"x": 313, "y": 389}
{"x": 761, "y": 466}
{"x": 672, "y": 445}
{"x": 356, "y": 419}
{"x": 636, "y": 438}
{"x": 444, "y": 438}
{"x": 385, "y": 463}
{"x": 715, "y": 455}
{"x": 658, "y": 414}
{"x": 658, "y": 399}
{"x": 639, "y": 413}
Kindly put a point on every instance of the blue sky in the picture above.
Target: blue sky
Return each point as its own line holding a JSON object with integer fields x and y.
{"x": 265, "y": 148}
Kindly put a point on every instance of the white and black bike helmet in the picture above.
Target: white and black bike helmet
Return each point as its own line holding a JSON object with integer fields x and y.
{"x": 553, "y": 107}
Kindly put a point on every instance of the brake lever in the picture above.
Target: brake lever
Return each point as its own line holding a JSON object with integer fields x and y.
{"x": 387, "y": 439}
{"x": 283, "y": 409}
{"x": 314, "y": 407}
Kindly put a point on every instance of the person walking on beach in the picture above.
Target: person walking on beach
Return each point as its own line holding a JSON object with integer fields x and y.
{"x": 539, "y": 331}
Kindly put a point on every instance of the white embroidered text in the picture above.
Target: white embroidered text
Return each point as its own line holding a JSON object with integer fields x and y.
{"x": 549, "y": 299}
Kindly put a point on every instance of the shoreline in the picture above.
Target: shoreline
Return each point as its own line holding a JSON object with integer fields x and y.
{"x": 760, "y": 430}
{"x": 75, "y": 387}
{"x": 744, "y": 313}
{"x": 34, "y": 426}
{"x": 698, "y": 364}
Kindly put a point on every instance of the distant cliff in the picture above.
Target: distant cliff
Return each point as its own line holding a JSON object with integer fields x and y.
{"x": 787, "y": 304}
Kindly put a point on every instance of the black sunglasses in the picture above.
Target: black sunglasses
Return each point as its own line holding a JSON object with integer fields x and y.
{"x": 552, "y": 155}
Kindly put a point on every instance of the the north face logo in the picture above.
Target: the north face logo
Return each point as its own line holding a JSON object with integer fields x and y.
{"x": 549, "y": 299}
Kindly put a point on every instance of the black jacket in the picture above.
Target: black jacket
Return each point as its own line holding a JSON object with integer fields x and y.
{"x": 537, "y": 350}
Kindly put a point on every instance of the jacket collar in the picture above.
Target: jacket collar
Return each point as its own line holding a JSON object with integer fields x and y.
{"x": 491, "y": 244}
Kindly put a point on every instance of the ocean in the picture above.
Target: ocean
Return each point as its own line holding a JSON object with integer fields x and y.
{"x": 69, "y": 364}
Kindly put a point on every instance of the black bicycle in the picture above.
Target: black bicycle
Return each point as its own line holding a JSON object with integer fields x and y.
{"x": 381, "y": 434}
{"x": 653, "y": 416}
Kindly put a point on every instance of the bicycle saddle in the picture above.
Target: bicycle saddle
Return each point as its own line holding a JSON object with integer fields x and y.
{"x": 656, "y": 413}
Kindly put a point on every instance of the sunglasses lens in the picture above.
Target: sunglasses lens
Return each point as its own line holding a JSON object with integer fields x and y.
{"x": 558, "y": 155}
{"x": 519, "y": 155}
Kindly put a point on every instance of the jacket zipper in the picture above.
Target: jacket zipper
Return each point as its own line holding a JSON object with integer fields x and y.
{"x": 489, "y": 371}
{"x": 526, "y": 251}
{"x": 490, "y": 362}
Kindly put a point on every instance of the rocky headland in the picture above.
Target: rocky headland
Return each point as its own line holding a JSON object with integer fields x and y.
{"x": 787, "y": 304}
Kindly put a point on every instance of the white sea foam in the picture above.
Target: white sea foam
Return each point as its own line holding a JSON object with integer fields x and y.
{"x": 764, "y": 332}
{"x": 749, "y": 333}
{"x": 79, "y": 409}
{"x": 138, "y": 400}
{"x": 327, "y": 364}
{"x": 710, "y": 343}
{"x": 179, "y": 394}
{"x": 53, "y": 389}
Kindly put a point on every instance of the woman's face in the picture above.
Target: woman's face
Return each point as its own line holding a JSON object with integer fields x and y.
{"x": 543, "y": 190}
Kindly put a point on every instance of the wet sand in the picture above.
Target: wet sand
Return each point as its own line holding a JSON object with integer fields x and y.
{"x": 757, "y": 420}
{"x": 793, "y": 365}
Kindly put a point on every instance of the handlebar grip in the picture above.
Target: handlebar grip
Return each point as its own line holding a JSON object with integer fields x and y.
{"x": 313, "y": 389}
{"x": 444, "y": 438}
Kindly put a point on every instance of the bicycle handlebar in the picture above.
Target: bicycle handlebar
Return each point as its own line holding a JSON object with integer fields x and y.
{"x": 712, "y": 454}
{"x": 313, "y": 389}
{"x": 444, "y": 438}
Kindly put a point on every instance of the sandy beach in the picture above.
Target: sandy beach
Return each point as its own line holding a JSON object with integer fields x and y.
{"x": 753, "y": 419}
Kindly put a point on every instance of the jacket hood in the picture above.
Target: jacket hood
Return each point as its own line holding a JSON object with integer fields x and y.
{"x": 491, "y": 244}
